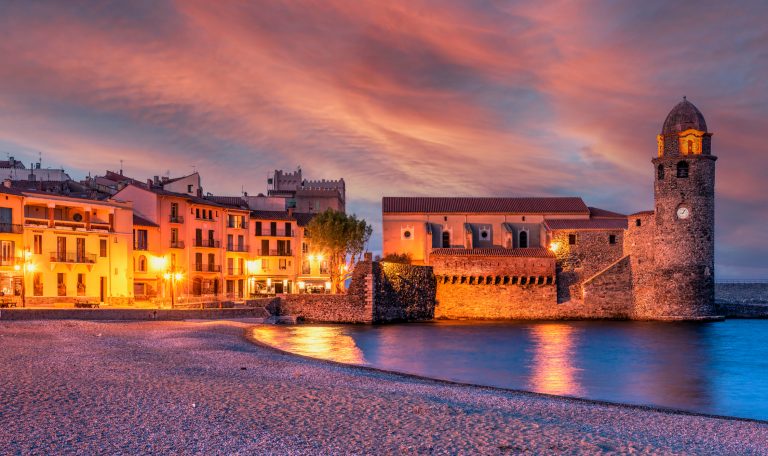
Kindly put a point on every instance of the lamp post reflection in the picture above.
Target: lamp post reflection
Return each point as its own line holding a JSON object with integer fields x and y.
{"x": 324, "y": 342}
{"x": 553, "y": 368}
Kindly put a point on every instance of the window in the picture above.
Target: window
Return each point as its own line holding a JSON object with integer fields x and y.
{"x": 324, "y": 267}
{"x": 7, "y": 253}
{"x": 660, "y": 172}
{"x": 174, "y": 211}
{"x": 61, "y": 284}
{"x": 571, "y": 239}
{"x": 38, "y": 244}
{"x": 283, "y": 264}
{"x": 103, "y": 248}
{"x": 305, "y": 267}
{"x": 174, "y": 236}
{"x": 61, "y": 248}
{"x": 682, "y": 169}
{"x": 612, "y": 239}
{"x": 81, "y": 284}
{"x": 287, "y": 228}
{"x": 638, "y": 222}
{"x": 485, "y": 233}
{"x": 446, "y": 239}
{"x": 37, "y": 284}
{"x": 523, "y": 238}
{"x": 189, "y": 188}
{"x": 304, "y": 247}
{"x": 142, "y": 264}
{"x": 258, "y": 228}
{"x": 273, "y": 228}
{"x": 690, "y": 146}
{"x": 197, "y": 212}
{"x": 198, "y": 261}
{"x": 140, "y": 239}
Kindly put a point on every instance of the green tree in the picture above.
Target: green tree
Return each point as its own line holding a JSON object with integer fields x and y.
{"x": 402, "y": 258}
{"x": 342, "y": 239}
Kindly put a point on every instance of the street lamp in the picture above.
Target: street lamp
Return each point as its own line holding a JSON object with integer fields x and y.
{"x": 26, "y": 265}
{"x": 173, "y": 277}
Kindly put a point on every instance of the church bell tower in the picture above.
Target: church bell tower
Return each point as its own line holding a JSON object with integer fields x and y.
{"x": 684, "y": 233}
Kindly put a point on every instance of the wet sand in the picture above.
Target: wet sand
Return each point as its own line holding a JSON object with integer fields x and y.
{"x": 200, "y": 387}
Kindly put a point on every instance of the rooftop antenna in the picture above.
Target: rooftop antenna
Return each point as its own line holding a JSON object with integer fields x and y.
{"x": 121, "y": 167}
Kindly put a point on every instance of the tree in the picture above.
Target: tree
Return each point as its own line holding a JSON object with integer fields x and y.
{"x": 402, "y": 258}
{"x": 342, "y": 239}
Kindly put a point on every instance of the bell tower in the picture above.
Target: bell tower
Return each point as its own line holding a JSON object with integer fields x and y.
{"x": 684, "y": 232}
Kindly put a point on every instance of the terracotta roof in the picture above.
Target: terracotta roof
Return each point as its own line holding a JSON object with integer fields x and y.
{"x": 141, "y": 221}
{"x": 533, "y": 252}
{"x": 531, "y": 205}
{"x": 271, "y": 215}
{"x": 642, "y": 213}
{"x": 591, "y": 224}
{"x": 228, "y": 200}
{"x": 595, "y": 212}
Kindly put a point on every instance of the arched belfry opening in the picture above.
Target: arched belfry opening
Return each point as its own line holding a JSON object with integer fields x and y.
{"x": 660, "y": 172}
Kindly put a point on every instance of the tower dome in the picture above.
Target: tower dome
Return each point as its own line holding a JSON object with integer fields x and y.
{"x": 684, "y": 116}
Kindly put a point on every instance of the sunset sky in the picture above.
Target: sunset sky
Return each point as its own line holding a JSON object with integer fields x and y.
{"x": 398, "y": 98}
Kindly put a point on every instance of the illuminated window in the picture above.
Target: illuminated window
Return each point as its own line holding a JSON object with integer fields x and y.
{"x": 682, "y": 169}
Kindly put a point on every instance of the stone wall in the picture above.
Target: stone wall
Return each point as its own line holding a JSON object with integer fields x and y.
{"x": 378, "y": 293}
{"x": 741, "y": 293}
{"x": 330, "y": 308}
{"x": 591, "y": 253}
{"x": 402, "y": 292}
{"x": 638, "y": 244}
{"x": 609, "y": 292}
{"x": 495, "y": 287}
{"x": 130, "y": 314}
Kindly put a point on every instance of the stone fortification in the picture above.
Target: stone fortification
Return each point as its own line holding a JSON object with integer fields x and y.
{"x": 378, "y": 293}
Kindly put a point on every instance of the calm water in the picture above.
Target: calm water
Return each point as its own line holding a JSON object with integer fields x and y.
{"x": 719, "y": 368}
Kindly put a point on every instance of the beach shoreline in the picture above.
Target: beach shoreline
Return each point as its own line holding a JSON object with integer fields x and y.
{"x": 200, "y": 387}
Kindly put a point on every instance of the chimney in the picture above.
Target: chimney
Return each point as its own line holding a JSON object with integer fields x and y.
{"x": 7, "y": 183}
{"x": 245, "y": 194}
{"x": 290, "y": 212}
{"x": 157, "y": 180}
{"x": 149, "y": 183}
{"x": 165, "y": 179}
{"x": 11, "y": 162}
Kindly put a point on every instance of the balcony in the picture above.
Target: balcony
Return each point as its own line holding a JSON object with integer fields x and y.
{"x": 278, "y": 252}
{"x": 203, "y": 267}
{"x": 237, "y": 248}
{"x": 276, "y": 233}
{"x": 207, "y": 243}
{"x": 177, "y": 244}
{"x": 72, "y": 257}
{"x": 140, "y": 246}
{"x": 176, "y": 218}
{"x": 237, "y": 225}
{"x": 235, "y": 271}
{"x": 11, "y": 228}
{"x": 8, "y": 261}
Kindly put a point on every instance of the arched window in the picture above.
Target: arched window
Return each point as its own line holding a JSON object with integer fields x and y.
{"x": 142, "y": 263}
{"x": 446, "y": 239}
{"x": 682, "y": 169}
{"x": 661, "y": 172}
{"x": 690, "y": 146}
{"x": 523, "y": 244}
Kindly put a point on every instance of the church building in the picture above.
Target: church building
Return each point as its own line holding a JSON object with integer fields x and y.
{"x": 556, "y": 257}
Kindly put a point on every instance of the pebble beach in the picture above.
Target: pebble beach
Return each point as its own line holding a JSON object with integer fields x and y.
{"x": 199, "y": 387}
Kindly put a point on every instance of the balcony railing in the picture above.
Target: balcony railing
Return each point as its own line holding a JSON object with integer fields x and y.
{"x": 177, "y": 244}
{"x": 11, "y": 228}
{"x": 237, "y": 225}
{"x": 8, "y": 261}
{"x": 176, "y": 219}
{"x": 203, "y": 267}
{"x": 140, "y": 246}
{"x": 278, "y": 252}
{"x": 276, "y": 233}
{"x": 235, "y": 271}
{"x": 237, "y": 248}
{"x": 72, "y": 257}
{"x": 210, "y": 243}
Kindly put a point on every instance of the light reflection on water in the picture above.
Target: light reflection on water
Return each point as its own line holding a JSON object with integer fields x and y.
{"x": 324, "y": 342}
{"x": 719, "y": 368}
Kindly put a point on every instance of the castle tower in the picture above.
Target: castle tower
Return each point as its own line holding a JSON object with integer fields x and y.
{"x": 684, "y": 233}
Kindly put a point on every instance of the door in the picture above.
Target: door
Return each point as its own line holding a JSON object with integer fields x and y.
{"x": 61, "y": 248}
{"x": 265, "y": 247}
{"x": 102, "y": 288}
{"x": 198, "y": 237}
{"x": 80, "y": 250}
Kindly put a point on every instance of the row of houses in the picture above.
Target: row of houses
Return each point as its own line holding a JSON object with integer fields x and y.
{"x": 117, "y": 240}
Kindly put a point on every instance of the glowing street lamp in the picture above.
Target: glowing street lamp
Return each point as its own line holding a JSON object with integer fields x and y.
{"x": 173, "y": 277}
{"x": 26, "y": 265}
